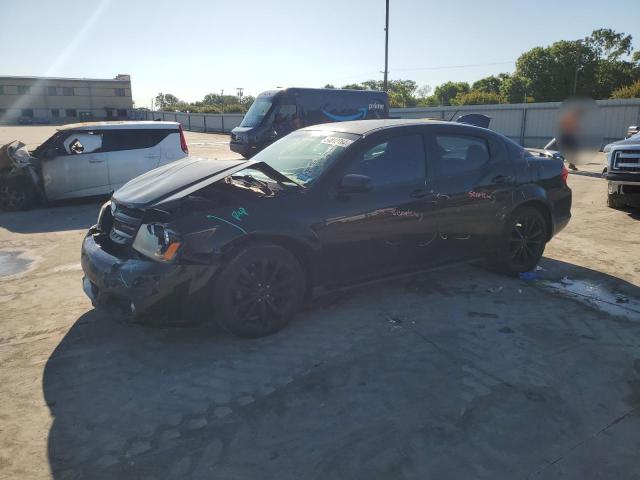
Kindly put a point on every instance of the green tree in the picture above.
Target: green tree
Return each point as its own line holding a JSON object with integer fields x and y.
{"x": 353, "y": 86}
{"x": 593, "y": 66}
{"x": 329, "y": 85}
{"x": 630, "y": 91}
{"x": 476, "y": 97}
{"x": 159, "y": 101}
{"x": 514, "y": 89}
{"x": 445, "y": 92}
{"x": 490, "y": 84}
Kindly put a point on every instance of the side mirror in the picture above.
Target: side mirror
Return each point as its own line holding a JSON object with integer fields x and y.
{"x": 354, "y": 183}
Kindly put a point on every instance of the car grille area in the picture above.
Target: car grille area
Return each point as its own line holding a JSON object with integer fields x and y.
{"x": 626, "y": 160}
{"x": 126, "y": 222}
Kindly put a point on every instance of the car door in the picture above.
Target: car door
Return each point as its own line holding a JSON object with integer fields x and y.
{"x": 474, "y": 184}
{"x": 78, "y": 168}
{"x": 390, "y": 228}
{"x": 132, "y": 152}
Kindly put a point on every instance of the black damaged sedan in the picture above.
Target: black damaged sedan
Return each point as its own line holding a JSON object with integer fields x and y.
{"x": 328, "y": 206}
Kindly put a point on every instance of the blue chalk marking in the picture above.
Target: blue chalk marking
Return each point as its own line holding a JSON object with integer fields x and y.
{"x": 228, "y": 222}
{"x": 239, "y": 213}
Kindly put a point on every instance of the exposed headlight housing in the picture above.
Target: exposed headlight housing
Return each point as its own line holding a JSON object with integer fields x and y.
{"x": 157, "y": 242}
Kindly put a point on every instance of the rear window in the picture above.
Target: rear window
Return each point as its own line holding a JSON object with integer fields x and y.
{"x": 459, "y": 153}
{"x": 115, "y": 140}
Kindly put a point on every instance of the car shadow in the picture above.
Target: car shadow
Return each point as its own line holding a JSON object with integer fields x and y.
{"x": 583, "y": 173}
{"x": 118, "y": 390}
{"x": 66, "y": 215}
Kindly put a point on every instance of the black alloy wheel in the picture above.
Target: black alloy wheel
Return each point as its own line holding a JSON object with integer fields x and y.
{"x": 259, "y": 291}
{"x": 527, "y": 239}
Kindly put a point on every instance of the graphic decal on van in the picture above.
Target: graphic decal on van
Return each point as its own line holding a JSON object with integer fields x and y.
{"x": 362, "y": 113}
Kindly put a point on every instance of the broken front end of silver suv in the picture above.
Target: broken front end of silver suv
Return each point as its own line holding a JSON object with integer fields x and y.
{"x": 20, "y": 179}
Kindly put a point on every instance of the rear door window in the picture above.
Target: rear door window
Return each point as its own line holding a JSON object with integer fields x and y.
{"x": 460, "y": 154}
{"x": 133, "y": 139}
{"x": 399, "y": 160}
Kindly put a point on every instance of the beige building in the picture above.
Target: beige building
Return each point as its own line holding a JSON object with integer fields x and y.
{"x": 64, "y": 100}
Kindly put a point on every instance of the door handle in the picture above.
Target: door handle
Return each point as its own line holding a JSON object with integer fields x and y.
{"x": 420, "y": 193}
{"x": 152, "y": 156}
{"x": 502, "y": 179}
{"x": 95, "y": 160}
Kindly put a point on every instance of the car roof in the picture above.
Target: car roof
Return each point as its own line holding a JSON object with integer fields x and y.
{"x": 363, "y": 127}
{"x": 119, "y": 125}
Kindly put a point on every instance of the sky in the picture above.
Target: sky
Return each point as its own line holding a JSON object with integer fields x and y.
{"x": 194, "y": 47}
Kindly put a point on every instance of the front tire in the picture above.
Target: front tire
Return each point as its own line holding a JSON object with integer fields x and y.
{"x": 16, "y": 195}
{"x": 524, "y": 239}
{"x": 258, "y": 291}
{"x": 614, "y": 200}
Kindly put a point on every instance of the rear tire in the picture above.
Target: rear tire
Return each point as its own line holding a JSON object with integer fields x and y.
{"x": 523, "y": 242}
{"x": 614, "y": 200}
{"x": 258, "y": 291}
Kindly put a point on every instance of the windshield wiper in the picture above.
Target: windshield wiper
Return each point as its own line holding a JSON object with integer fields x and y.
{"x": 275, "y": 174}
{"x": 250, "y": 179}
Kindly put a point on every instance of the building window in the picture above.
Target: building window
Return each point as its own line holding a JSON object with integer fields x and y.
{"x": 1, "y": 89}
{"x": 109, "y": 112}
{"x": 68, "y": 91}
{"x": 52, "y": 91}
{"x": 120, "y": 92}
{"x": 71, "y": 112}
{"x": 122, "y": 112}
{"x": 27, "y": 112}
{"x": 55, "y": 113}
{"x": 24, "y": 90}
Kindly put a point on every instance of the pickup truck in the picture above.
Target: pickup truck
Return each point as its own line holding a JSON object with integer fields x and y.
{"x": 622, "y": 172}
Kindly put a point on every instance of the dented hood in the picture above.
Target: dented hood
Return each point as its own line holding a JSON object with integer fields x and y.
{"x": 175, "y": 180}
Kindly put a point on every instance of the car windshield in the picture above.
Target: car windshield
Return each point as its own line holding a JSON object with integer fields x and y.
{"x": 257, "y": 112}
{"x": 303, "y": 156}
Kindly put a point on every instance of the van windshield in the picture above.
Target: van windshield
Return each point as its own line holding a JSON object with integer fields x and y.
{"x": 303, "y": 156}
{"x": 257, "y": 112}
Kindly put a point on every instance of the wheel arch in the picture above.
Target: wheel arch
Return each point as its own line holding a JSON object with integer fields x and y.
{"x": 302, "y": 251}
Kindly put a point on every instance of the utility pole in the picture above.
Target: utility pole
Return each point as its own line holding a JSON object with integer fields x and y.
{"x": 575, "y": 76}
{"x": 222, "y": 100}
{"x": 386, "y": 47}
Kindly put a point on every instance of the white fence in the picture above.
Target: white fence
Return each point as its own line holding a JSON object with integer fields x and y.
{"x": 197, "y": 122}
{"x": 534, "y": 124}
{"x": 530, "y": 124}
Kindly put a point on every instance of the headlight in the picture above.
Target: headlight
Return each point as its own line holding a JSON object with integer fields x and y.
{"x": 156, "y": 241}
{"x": 103, "y": 209}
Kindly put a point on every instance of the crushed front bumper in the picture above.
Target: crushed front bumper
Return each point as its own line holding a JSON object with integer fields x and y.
{"x": 138, "y": 287}
{"x": 626, "y": 185}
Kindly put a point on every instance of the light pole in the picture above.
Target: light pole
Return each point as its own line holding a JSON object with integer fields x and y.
{"x": 575, "y": 76}
{"x": 386, "y": 46}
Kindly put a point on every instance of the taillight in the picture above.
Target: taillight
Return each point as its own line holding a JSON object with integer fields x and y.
{"x": 183, "y": 141}
{"x": 565, "y": 174}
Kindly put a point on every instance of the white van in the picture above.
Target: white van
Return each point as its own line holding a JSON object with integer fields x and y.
{"x": 86, "y": 159}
